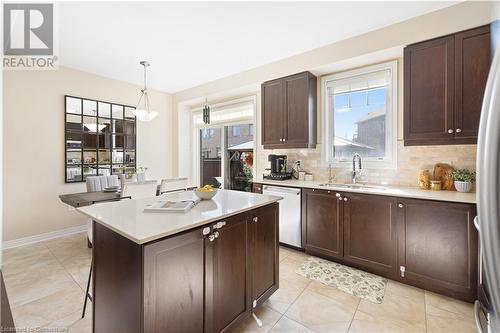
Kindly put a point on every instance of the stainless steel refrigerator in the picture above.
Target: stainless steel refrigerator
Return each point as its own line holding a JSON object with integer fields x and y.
{"x": 487, "y": 307}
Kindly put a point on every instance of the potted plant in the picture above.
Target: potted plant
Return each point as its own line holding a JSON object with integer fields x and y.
{"x": 463, "y": 179}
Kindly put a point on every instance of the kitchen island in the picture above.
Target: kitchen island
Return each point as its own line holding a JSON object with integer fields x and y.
{"x": 200, "y": 271}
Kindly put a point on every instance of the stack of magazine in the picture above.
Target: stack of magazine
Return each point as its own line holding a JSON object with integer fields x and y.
{"x": 168, "y": 206}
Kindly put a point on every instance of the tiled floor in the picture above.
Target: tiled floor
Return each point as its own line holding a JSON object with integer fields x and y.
{"x": 46, "y": 282}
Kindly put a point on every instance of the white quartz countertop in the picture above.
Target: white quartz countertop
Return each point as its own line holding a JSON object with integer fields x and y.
{"x": 394, "y": 191}
{"x": 127, "y": 217}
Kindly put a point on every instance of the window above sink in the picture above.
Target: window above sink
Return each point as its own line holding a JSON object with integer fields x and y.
{"x": 360, "y": 116}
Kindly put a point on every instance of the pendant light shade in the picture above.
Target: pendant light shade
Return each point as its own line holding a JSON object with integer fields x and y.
{"x": 143, "y": 111}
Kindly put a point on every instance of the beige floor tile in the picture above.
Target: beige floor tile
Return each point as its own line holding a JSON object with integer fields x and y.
{"x": 334, "y": 293}
{"x": 283, "y": 252}
{"x": 287, "y": 325}
{"x": 82, "y": 325}
{"x": 367, "y": 323}
{"x": 287, "y": 293}
{"x": 37, "y": 284}
{"x": 19, "y": 254}
{"x": 447, "y": 315}
{"x": 268, "y": 316}
{"x": 291, "y": 286}
{"x": 403, "y": 309}
{"x": 58, "y": 308}
{"x": 70, "y": 247}
{"x": 298, "y": 256}
{"x": 79, "y": 270}
{"x": 321, "y": 313}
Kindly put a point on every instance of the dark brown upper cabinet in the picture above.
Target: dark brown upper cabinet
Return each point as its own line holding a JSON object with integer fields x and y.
{"x": 444, "y": 82}
{"x": 289, "y": 112}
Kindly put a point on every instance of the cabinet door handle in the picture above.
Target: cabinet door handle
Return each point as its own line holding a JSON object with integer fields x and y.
{"x": 256, "y": 219}
{"x": 340, "y": 198}
{"x": 337, "y": 195}
{"x": 450, "y": 131}
{"x": 400, "y": 205}
{"x": 211, "y": 237}
{"x": 345, "y": 199}
{"x": 206, "y": 231}
{"x": 458, "y": 130}
{"x": 219, "y": 225}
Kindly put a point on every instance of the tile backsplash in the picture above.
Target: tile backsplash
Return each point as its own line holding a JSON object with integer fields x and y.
{"x": 410, "y": 160}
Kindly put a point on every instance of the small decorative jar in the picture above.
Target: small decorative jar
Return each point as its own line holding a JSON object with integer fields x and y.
{"x": 424, "y": 179}
{"x": 436, "y": 185}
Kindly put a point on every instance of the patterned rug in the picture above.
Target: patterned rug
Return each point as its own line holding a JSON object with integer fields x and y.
{"x": 350, "y": 280}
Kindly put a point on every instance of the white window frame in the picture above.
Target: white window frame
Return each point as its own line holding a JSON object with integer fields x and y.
{"x": 390, "y": 160}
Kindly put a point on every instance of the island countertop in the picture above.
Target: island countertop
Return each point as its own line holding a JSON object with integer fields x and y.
{"x": 127, "y": 217}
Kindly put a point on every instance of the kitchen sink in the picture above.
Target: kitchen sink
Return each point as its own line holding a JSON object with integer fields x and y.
{"x": 353, "y": 186}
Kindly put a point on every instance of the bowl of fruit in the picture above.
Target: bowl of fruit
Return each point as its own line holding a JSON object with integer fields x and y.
{"x": 206, "y": 192}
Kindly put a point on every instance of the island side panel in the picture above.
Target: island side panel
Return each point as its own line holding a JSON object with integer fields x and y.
{"x": 117, "y": 282}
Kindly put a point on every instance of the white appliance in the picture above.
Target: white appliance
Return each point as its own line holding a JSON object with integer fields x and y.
{"x": 488, "y": 199}
{"x": 290, "y": 228}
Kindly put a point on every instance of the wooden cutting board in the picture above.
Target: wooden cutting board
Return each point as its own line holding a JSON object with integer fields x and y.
{"x": 442, "y": 172}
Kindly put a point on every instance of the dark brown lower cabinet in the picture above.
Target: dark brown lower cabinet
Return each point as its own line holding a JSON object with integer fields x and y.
{"x": 265, "y": 253}
{"x": 428, "y": 244}
{"x": 322, "y": 218}
{"x": 203, "y": 280}
{"x": 370, "y": 238}
{"x": 174, "y": 284}
{"x": 227, "y": 276}
{"x": 438, "y": 247}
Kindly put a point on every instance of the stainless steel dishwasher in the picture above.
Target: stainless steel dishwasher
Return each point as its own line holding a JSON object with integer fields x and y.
{"x": 290, "y": 214}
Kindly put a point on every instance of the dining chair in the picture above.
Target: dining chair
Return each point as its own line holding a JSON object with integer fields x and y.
{"x": 140, "y": 190}
{"x": 99, "y": 183}
{"x": 173, "y": 185}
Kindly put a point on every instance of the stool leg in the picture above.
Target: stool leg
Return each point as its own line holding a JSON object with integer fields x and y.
{"x": 87, "y": 296}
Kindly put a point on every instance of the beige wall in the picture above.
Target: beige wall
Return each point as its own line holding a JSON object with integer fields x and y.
{"x": 33, "y": 155}
{"x": 376, "y": 46}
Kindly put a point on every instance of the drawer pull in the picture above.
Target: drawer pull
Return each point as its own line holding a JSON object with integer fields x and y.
{"x": 458, "y": 130}
{"x": 400, "y": 205}
{"x": 345, "y": 199}
{"x": 340, "y": 198}
{"x": 255, "y": 219}
{"x": 450, "y": 131}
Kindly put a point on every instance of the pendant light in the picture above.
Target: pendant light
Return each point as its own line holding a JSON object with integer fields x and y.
{"x": 143, "y": 111}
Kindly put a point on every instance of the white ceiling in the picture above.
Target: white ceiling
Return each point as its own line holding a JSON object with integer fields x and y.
{"x": 191, "y": 43}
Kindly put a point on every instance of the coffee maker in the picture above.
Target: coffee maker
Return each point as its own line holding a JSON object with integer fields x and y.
{"x": 278, "y": 168}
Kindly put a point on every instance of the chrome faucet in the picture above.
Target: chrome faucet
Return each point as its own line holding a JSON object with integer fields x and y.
{"x": 330, "y": 175}
{"x": 354, "y": 173}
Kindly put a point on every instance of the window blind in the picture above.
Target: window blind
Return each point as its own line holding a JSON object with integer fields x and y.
{"x": 361, "y": 82}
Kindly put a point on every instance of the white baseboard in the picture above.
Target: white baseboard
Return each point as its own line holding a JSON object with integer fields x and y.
{"x": 43, "y": 237}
